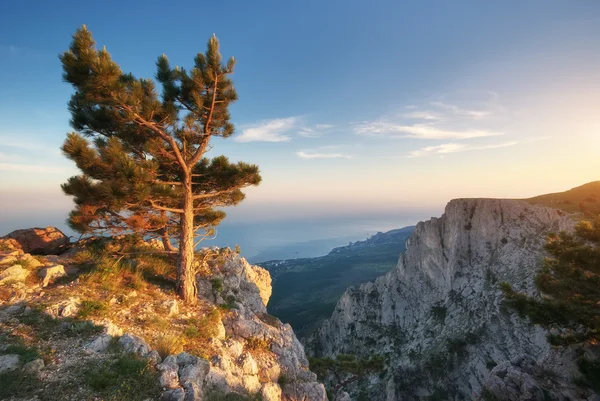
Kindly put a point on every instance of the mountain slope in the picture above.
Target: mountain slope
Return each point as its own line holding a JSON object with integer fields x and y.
{"x": 584, "y": 199}
{"x": 439, "y": 320}
{"x": 305, "y": 290}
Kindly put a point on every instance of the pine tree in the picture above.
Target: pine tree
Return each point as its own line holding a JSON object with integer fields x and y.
{"x": 142, "y": 154}
{"x": 570, "y": 283}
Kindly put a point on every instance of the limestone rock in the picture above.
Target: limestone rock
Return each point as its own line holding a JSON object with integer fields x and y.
{"x": 100, "y": 343}
{"x": 40, "y": 241}
{"x": 131, "y": 343}
{"x": 30, "y": 261}
{"x": 9, "y": 362}
{"x": 49, "y": 274}
{"x": 439, "y": 314}
{"x": 66, "y": 308}
{"x": 271, "y": 392}
{"x": 8, "y": 260}
{"x": 173, "y": 395}
{"x": 168, "y": 376}
{"x": 15, "y": 273}
{"x": 171, "y": 306}
{"x": 193, "y": 392}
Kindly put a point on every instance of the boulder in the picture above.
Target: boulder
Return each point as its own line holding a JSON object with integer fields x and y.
{"x": 168, "y": 376}
{"x": 131, "y": 343}
{"x": 101, "y": 343}
{"x": 49, "y": 274}
{"x": 8, "y": 363}
{"x": 13, "y": 273}
{"x": 40, "y": 241}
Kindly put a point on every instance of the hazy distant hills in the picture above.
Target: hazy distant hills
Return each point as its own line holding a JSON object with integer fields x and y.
{"x": 305, "y": 290}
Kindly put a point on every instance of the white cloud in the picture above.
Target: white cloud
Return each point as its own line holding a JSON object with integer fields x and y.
{"x": 306, "y": 155}
{"x": 308, "y": 133}
{"x": 475, "y": 114}
{"x": 421, "y": 131}
{"x": 457, "y": 147}
{"x": 269, "y": 130}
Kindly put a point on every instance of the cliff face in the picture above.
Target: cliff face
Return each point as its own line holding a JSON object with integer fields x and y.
{"x": 438, "y": 317}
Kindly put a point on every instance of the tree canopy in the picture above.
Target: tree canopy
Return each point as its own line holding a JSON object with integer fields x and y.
{"x": 142, "y": 151}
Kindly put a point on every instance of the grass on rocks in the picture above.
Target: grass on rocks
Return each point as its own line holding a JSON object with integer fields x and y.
{"x": 127, "y": 377}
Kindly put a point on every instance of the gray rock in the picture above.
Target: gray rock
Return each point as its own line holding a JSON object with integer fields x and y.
{"x": 154, "y": 356}
{"x": 100, "y": 343}
{"x": 9, "y": 362}
{"x": 131, "y": 343}
{"x": 193, "y": 392}
{"x": 445, "y": 291}
{"x": 173, "y": 395}
{"x": 194, "y": 373}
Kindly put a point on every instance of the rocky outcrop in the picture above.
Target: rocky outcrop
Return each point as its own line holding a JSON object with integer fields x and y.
{"x": 257, "y": 352}
{"x": 438, "y": 318}
{"x": 39, "y": 241}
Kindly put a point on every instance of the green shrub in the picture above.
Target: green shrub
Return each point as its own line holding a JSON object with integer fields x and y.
{"x": 18, "y": 384}
{"x": 204, "y": 327}
{"x": 128, "y": 378}
{"x": 92, "y": 308}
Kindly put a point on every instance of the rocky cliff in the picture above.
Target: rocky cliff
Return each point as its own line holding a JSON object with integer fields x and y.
{"x": 439, "y": 319}
{"x": 99, "y": 324}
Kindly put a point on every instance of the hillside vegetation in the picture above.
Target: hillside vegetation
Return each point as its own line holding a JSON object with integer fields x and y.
{"x": 584, "y": 200}
{"x": 306, "y": 290}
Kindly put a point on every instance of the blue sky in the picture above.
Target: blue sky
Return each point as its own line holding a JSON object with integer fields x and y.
{"x": 348, "y": 107}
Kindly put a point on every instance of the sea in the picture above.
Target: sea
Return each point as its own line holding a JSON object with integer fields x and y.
{"x": 265, "y": 239}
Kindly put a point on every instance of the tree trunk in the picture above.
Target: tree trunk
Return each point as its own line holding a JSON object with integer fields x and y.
{"x": 167, "y": 241}
{"x": 186, "y": 277}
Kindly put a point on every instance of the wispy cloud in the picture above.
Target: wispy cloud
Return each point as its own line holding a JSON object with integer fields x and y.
{"x": 324, "y": 126}
{"x": 309, "y": 155}
{"x": 281, "y": 130}
{"x": 308, "y": 133}
{"x": 475, "y": 114}
{"x": 32, "y": 168}
{"x": 422, "y": 115}
{"x": 421, "y": 131}
{"x": 274, "y": 130}
{"x": 457, "y": 147}
{"x": 315, "y": 131}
